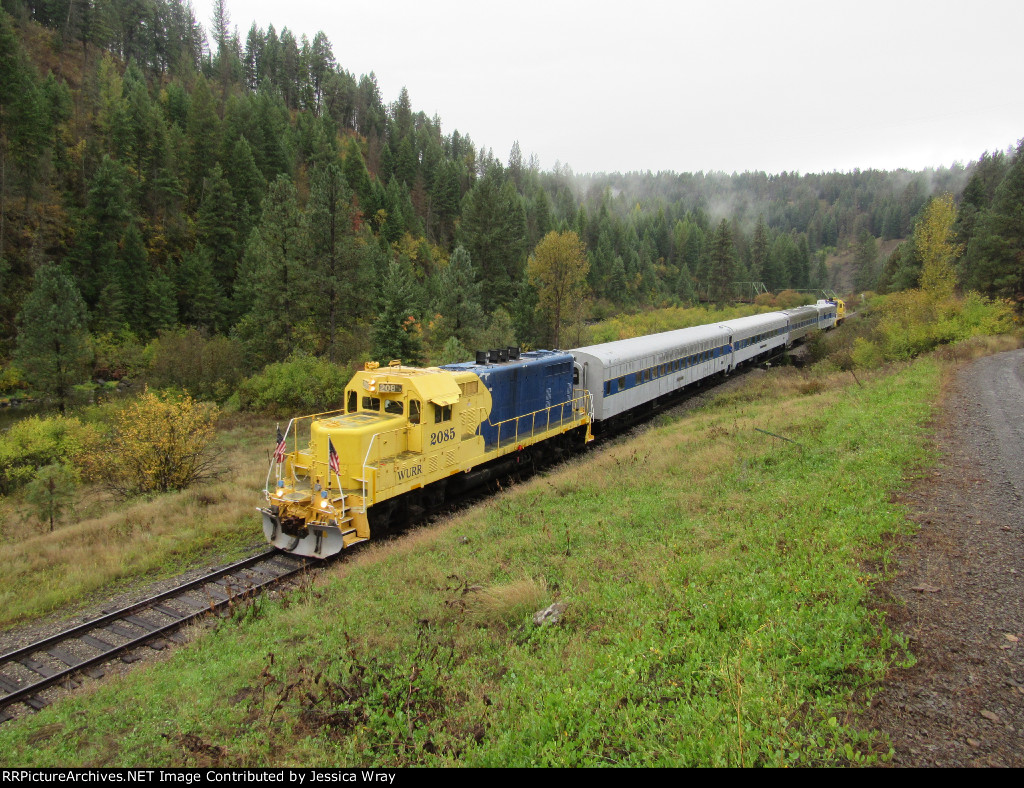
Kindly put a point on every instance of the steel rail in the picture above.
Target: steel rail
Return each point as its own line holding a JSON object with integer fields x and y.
{"x": 25, "y": 692}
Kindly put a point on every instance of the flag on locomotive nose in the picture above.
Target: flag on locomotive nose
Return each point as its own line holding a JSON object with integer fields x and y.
{"x": 279, "y": 451}
{"x": 332, "y": 457}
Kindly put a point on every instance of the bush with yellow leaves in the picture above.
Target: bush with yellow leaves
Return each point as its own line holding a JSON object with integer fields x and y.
{"x": 159, "y": 443}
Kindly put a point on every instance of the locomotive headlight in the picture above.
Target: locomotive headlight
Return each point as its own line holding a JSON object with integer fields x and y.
{"x": 324, "y": 503}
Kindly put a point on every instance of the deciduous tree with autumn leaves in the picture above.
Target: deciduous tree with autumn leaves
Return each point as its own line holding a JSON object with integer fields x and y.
{"x": 558, "y": 270}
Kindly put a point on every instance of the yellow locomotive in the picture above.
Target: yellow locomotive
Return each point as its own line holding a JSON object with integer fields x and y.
{"x": 409, "y": 436}
{"x": 840, "y": 309}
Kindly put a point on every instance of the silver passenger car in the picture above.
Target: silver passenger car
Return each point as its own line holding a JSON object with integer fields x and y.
{"x": 756, "y": 336}
{"x": 633, "y": 372}
{"x": 802, "y": 321}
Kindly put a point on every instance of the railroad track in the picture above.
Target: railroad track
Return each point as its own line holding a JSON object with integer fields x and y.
{"x": 57, "y": 659}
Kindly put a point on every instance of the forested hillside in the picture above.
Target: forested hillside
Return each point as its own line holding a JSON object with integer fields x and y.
{"x": 168, "y": 190}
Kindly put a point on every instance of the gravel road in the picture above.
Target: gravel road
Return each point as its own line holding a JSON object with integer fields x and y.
{"x": 959, "y": 593}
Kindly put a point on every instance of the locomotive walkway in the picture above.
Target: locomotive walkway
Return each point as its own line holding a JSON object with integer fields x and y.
{"x": 959, "y": 595}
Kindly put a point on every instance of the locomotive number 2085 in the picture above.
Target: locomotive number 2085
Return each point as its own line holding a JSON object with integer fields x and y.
{"x": 437, "y": 438}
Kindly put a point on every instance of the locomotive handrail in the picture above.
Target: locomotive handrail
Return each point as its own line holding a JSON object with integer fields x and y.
{"x": 270, "y": 470}
{"x": 295, "y": 443}
{"x": 587, "y": 405}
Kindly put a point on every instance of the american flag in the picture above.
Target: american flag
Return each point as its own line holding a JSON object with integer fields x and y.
{"x": 332, "y": 457}
{"x": 279, "y": 451}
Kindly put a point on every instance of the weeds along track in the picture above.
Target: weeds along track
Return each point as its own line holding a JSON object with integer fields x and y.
{"x": 83, "y": 649}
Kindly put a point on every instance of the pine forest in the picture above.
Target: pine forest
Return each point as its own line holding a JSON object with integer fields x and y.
{"x": 191, "y": 206}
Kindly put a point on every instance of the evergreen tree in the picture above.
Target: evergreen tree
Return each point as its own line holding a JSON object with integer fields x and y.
{"x": 247, "y": 186}
{"x": 217, "y": 228}
{"x": 200, "y": 297}
{"x": 356, "y": 175}
{"x": 515, "y": 166}
{"x": 454, "y": 352}
{"x": 396, "y": 333}
{"x": 500, "y": 331}
{"x": 996, "y": 252}
{"x": 777, "y": 268}
{"x": 684, "y": 286}
{"x": 865, "y": 262}
{"x": 53, "y": 342}
{"x": 493, "y": 231}
{"x": 722, "y": 264}
{"x": 458, "y": 300}
{"x": 820, "y": 277}
{"x": 162, "y": 306}
{"x": 51, "y": 492}
{"x": 107, "y": 215}
{"x": 24, "y": 129}
{"x": 445, "y": 193}
{"x": 131, "y": 274}
{"x": 759, "y": 249}
{"x": 274, "y": 285}
{"x": 203, "y": 136}
{"x": 338, "y": 280}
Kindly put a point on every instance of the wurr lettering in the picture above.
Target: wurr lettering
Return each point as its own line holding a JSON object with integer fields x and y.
{"x": 408, "y": 473}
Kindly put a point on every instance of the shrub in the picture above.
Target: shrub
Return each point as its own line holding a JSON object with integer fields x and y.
{"x": 206, "y": 367}
{"x": 51, "y": 492}
{"x": 159, "y": 443}
{"x": 11, "y": 380}
{"x": 790, "y": 299}
{"x": 300, "y": 385}
{"x": 866, "y": 354}
{"x": 118, "y": 356}
{"x": 912, "y": 322}
{"x": 36, "y": 441}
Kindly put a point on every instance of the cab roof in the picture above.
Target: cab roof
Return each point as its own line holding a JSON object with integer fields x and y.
{"x": 430, "y": 383}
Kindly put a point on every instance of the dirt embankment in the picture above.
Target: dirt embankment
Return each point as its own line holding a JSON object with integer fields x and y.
{"x": 959, "y": 594}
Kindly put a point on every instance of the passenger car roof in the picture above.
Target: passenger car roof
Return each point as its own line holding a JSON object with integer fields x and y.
{"x": 639, "y": 347}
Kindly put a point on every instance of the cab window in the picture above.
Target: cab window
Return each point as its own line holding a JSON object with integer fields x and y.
{"x": 414, "y": 411}
{"x": 371, "y": 403}
{"x": 394, "y": 407}
{"x": 442, "y": 413}
{"x": 352, "y": 400}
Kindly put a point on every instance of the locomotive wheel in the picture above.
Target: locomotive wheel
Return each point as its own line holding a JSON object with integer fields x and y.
{"x": 381, "y": 518}
{"x": 435, "y": 495}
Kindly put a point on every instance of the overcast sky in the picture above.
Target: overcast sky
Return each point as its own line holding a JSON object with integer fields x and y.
{"x": 724, "y": 85}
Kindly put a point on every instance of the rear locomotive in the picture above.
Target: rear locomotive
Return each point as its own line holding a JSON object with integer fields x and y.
{"x": 409, "y": 436}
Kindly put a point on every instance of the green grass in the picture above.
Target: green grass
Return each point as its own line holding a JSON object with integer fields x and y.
{"x": 716, "y": 584}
